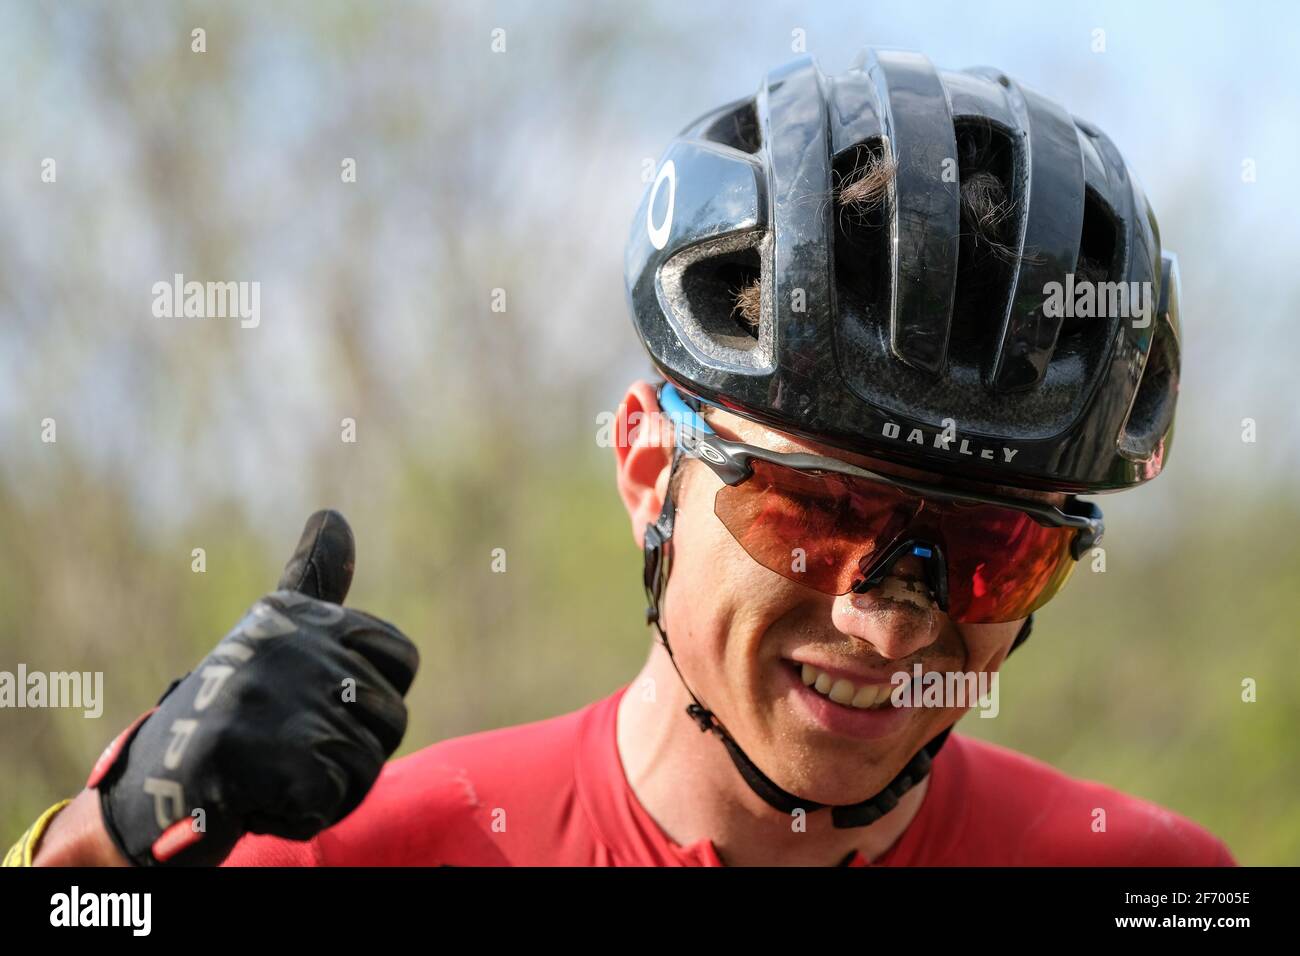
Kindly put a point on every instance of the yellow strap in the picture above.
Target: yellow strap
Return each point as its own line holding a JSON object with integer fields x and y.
{"x": 20, "y": 854}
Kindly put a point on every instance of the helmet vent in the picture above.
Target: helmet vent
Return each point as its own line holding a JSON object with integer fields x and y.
{"x": 1151, "y": 415}
{"x": 860, "y": 197}
{"x": 725, "y": 292}
{"x": 1098, "y": 262}
{"x": 1153, "y": 405}
{"x": 988, "y": 248}
{"x": 721, "y": 300}
{"x": 737, "y": 128}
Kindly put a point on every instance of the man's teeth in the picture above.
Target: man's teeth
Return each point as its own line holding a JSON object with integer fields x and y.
{"x": 844, "y": 691}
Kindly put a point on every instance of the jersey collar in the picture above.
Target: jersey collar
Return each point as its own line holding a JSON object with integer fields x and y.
{"x": 633, "y": 838}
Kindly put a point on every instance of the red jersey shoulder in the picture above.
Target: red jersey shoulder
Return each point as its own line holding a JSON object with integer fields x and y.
{"x": 1022, "y": 812}
{"x": 497, "y": 797}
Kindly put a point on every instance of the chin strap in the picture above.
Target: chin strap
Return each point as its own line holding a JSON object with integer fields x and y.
{"x": 658, "y": 558}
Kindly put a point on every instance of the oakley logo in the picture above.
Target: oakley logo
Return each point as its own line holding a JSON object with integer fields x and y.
{"x": 950, "y": 443}
{"x": 659, "y": 234}
{"x": 711, "y": 453}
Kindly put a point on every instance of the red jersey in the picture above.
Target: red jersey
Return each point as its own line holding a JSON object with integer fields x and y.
{"x": 553, "y": 793}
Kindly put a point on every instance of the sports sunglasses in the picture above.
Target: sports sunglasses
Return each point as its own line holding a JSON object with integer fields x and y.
{"x": 836, "y": 528}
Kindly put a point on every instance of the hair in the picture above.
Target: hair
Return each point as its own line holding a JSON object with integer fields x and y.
{"x": 865, "y": 186}
{"x": 986, "y": 209}
{"x": 749, "y": 302}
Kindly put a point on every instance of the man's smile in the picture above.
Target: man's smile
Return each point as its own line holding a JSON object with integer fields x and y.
{"x": 835, "y": 702}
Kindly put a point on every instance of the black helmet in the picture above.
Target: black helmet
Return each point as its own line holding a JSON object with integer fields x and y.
{"x": 917, "y": 329}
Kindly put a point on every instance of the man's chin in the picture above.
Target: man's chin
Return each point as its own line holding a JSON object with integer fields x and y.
{"x": 835, "y": 755}
{"x": 833, "y": 780}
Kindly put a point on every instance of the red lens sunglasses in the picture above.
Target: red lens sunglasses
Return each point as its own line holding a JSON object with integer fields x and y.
{"x": 836, "y": 528}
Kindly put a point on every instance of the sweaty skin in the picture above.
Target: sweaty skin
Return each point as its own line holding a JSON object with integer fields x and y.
{"x": 735, "y": 628}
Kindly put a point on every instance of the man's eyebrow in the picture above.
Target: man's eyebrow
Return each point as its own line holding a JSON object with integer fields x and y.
{"x": 772, "y": 441}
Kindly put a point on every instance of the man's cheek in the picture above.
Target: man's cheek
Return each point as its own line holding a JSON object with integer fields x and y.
{"x": 986, "y": 645}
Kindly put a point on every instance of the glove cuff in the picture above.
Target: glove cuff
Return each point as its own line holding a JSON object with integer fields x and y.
{"x": 107, "y": 769}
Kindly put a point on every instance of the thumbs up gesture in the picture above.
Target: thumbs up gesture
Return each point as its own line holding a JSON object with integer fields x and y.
{"x": 281, "y": 729}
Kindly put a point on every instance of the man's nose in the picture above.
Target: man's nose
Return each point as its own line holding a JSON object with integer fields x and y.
{"x": 897, "y": 617}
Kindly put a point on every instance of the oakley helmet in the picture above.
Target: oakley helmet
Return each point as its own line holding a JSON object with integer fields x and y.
{"x": 939, "y": 268}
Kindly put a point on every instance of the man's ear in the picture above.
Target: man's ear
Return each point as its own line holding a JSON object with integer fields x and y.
{"x": 643, "y": 445}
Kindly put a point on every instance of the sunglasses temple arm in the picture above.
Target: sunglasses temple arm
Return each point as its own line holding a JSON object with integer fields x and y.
{"x": 1090, "y": 536}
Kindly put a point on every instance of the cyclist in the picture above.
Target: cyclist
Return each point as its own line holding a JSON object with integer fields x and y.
{"x": 864, "y": 460}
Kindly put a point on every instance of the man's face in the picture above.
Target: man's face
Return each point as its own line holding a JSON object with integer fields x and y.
{"x": 743, "y": 635}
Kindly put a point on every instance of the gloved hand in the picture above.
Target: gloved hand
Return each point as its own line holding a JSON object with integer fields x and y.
{"x": 282, "y": 729}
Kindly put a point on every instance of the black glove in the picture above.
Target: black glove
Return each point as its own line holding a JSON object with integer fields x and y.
{"x": 282, "y": 729}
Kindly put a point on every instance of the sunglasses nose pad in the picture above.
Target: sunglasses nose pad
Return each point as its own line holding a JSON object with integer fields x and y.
{"x": 932, "y": 562}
